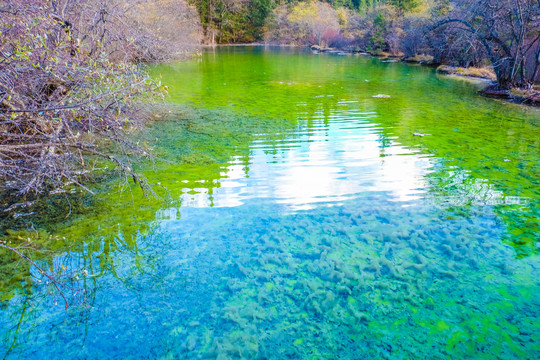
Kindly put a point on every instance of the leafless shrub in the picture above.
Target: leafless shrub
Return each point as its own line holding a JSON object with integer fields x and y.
{"x": 336, "y": 39}
{"x": 309, "y": 23}
{"x": 63, "y": 101}
{"x": 506, "y": 32}
{"x": 164, "y": 29}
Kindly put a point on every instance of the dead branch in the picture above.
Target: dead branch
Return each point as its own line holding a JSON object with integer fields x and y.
{"x": 50, "y": 277}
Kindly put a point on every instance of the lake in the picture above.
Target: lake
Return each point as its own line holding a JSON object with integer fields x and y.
{"x": 309, "y": 207}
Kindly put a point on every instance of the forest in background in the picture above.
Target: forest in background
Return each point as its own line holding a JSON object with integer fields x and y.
{"x": 502, "y": 34}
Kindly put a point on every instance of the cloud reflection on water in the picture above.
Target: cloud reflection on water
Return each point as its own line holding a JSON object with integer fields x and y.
{"x": 328, "y": 159}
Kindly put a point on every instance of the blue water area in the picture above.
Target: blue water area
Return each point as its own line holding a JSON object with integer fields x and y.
{"x": 303, "y": 216}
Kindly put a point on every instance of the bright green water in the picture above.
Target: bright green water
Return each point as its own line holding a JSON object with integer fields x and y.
{"x": 303, "y": 219}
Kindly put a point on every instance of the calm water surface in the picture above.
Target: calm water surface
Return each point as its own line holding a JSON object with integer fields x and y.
{"x": 302, "y": 218}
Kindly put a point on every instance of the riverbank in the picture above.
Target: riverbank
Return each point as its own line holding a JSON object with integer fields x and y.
{"x": 521, "y": 96}
{"x": 473, "y": 72}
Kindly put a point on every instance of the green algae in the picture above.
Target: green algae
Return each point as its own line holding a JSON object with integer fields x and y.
{"x": 392, "y": 321}
{"x": 399, "y": 267}
{"x": 475, "y": 137}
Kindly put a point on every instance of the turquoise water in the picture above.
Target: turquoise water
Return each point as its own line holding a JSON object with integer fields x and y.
{"x": 303, "y": 216}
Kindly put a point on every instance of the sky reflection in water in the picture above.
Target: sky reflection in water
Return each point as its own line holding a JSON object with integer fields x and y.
{"x": 333, "y": 159}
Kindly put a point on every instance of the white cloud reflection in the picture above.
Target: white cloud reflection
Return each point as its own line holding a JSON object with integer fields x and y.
{"x": 329, "y": 160}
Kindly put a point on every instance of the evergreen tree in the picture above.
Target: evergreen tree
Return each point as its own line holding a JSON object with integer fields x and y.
{"x": 404, "y": 5}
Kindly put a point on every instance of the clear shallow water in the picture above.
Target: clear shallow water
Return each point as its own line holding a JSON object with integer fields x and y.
{"x": 303, "y": 219}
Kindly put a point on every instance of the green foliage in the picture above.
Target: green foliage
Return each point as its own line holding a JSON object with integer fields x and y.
{"x": 404, "y": 5}
{"x": 379, "y": 29}
{"x": 237, "y": 21}
{"x": 258, "y": 11}
{"x": 349, "y": 4}
{"x": 369, "y": 4}
{"x": 233, "y": 21}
